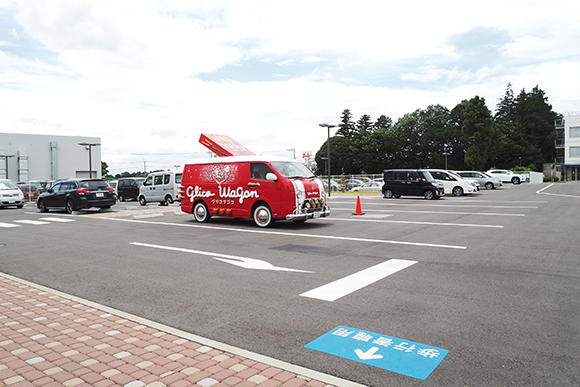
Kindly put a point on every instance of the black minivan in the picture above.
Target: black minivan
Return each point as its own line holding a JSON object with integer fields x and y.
{"x": 128, "y": 188}
{"x": 411, "y": 182}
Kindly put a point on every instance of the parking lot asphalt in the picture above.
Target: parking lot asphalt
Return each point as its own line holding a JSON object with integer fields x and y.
{"x": 486, "y": 282}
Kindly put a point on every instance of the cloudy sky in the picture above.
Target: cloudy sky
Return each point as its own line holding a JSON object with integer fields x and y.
{"x": 148, "y": 76}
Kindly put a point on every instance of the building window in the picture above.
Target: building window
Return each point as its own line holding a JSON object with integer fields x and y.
{"x": 575, "y": 151}
{"x": 575, "y": 131}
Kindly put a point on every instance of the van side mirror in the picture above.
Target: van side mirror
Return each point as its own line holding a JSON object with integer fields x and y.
{"x": 271, "y": 177}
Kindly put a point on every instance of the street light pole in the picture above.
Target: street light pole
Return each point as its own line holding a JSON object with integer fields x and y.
{"x": 445, "y": 153}
{"x": 328, "y": 126}
{"x": 89, "y": 146}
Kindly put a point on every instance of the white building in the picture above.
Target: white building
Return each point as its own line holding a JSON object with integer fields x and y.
{"x": 25, "y": 157}
{"x": 568, "y": 147}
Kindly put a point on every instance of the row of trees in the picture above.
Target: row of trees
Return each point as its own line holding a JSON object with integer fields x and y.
{"x": 520, "y": 133}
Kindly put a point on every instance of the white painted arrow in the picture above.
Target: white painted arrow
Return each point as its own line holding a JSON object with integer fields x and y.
{"x": 257, "y": 264}
{"x": 368, "y": 355}
{"x": 246, "y": 263}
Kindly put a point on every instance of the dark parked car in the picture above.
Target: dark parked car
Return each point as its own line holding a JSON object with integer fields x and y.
{"x": 128, "y": 188}
{"x": 76, "y": 194}
{"x": 411, "y": 182}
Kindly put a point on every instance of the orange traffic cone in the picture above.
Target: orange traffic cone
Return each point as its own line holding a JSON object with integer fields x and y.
{"x": 358, "y": 207}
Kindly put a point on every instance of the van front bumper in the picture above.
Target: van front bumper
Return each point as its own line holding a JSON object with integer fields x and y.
{"x": 309, "y": 215}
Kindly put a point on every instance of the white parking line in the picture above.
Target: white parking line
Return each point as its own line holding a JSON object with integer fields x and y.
{"x": 457, "y": 205}
{"x": 420, "y": 223}
{"x": 293, "y": 234}
{"x": 55, "y": 219}
{"x": 340, "y": 288}
{"x": 9, "y": 225}
{"x": 437, "y": 212}
{"x": 33, "y": 222}
{"x": 541, "y": 192}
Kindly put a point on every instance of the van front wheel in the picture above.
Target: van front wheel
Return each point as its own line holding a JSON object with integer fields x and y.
{"x": 142, "y": 200}
{"x": 201, "y": 213}
{"x": 263, "y": 216}
{"x": 168, "y": 200}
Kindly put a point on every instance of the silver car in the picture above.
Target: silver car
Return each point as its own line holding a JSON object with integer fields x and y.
{"x": 482, "y": 178}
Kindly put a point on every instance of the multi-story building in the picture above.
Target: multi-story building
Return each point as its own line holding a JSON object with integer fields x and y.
{"x": 25, "y": 157}
{"x": 568, "y": 146}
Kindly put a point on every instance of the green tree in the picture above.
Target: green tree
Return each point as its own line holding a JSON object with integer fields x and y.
{"x": 383, "y": 122}
{"x": 341, "y": 160}
{"x": 104, "y": 169}
{"x": 536, "y": 121}
{"x": 511, "y": 142}
{"x": 346, "y": 128}
{"x": 477, "y": 131}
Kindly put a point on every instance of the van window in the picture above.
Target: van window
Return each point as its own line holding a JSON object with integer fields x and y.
{"x": 158, "y": 180}
{"x": 292, "y": 170}
{"x": 427, "y": 176}
{"x": 259, "y": 170}
{"x": 148, "y": 181}
{"x": 178, "y": 178}
{"x": 166, "y": 179}
{"x": 389, "y": 175}
{"x": 400, "y": 175}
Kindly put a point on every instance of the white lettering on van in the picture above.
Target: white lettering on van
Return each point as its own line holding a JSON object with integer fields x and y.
{"x": 237, "y": 193}
{"x": 197, "y": 192}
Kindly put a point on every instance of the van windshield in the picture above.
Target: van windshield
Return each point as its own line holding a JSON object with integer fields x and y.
{"x": 428, "y": 176}
{"x": 292, "y": 170}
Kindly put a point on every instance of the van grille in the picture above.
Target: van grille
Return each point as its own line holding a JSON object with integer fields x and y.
{"x": 312, "y": 205}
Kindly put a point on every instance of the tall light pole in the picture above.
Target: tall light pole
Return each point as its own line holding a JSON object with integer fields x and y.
{"x": 89, "y": 146}
{"x": 445, "y": 153}
{"x": 328, "y": 126}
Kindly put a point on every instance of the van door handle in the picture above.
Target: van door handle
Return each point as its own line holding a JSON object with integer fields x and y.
{"x": 253, "y": 184}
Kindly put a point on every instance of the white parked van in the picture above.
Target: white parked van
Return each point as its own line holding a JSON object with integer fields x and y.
{"x": 162, "y": 187}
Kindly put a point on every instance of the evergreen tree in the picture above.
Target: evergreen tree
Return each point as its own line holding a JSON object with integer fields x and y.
{"x": 536, "y": 122}
{"x": 383, "y": 122}
{"x": 346, "y": 128}
{"x": 477, "y": 131}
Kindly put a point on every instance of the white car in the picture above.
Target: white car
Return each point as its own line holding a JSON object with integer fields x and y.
{"x": 482, "y": 178}
{"x": 10, "y": 194}
{"x": 453, "y": 182}
{"x": 507, "y": 176}
{"x": 371, "y": 186}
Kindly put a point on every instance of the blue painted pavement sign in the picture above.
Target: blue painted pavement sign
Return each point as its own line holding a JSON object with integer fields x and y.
{"x": 390, "y": 353}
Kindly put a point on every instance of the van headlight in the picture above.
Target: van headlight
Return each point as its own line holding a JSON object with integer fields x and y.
{"x": 299, "y": 195}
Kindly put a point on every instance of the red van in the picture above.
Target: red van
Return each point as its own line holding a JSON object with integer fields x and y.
{"x": 259, "y": 187}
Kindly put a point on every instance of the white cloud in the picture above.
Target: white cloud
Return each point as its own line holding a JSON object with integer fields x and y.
{"x": 130, "y": 71}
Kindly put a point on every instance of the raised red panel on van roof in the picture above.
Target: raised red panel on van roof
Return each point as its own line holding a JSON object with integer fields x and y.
{"x": 223, "y": 145}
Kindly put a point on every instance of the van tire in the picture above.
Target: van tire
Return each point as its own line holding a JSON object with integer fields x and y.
{"x": 388, "y": 194}
{"x": 262, "y": 216}
{"x": 142, "y": 200}
{"x": 201, "y": 212}
{"x": 429, "y": 195}
{"x": 168, "y": 200}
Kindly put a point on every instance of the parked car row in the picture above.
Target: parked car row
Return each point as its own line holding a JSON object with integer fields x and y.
{"x": 435, "y": 183}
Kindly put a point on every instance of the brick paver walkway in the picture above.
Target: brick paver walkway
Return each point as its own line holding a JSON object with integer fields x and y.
{"x": 48, "y": 338}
